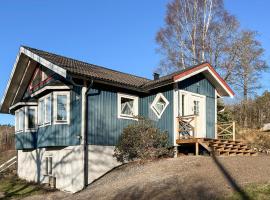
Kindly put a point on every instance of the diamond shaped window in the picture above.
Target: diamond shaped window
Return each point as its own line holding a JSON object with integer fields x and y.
{"x": 159, "y": 104}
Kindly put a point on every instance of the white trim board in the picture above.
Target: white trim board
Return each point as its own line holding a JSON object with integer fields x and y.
{"x": 206, "y": 68}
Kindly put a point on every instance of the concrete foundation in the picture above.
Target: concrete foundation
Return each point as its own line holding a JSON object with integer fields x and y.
{"x": 67, "y": 165}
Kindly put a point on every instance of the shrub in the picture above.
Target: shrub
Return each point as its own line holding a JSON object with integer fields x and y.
{"x": 142, "y": 140}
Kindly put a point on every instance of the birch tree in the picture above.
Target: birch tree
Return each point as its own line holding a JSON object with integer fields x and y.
{"x": 196, "y": 31}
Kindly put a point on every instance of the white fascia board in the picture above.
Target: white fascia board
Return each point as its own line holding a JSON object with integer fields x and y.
{"x": 38, "y": 59}
{"x": 23, "y": 104}
{"x": 10, "y": 77}
{"x": 44, "y": 62}
{"x": 206, "y": 68}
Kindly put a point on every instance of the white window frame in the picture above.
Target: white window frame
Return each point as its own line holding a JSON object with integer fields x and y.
{"x": 158, "y": 96}
{"x": 135, "y": 106}
{"x": 26, "y": 119}
{"x": 47, "y": 165}
{"x": 18, "y": 120}
{"x": 45, "y": 99}
{"x": 55, "y": 94}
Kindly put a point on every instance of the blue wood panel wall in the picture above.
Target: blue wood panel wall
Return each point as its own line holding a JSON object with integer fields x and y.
{"x": 63, "y": 134}
{"x": 165, "y": 123}
{"x": 199, "y": 84}
{"x": 104, "y": 126}
{"x": 26, "y": 140}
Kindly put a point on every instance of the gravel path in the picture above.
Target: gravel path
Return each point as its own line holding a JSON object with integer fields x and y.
{"x": 187, "y": 177}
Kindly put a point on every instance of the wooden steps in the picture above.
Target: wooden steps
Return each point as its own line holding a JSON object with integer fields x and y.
{"x": 228, "y": 147}
{"x": 218, "y": 147}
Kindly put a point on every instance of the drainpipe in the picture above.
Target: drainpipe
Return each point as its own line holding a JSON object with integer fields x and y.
{"x": 85, "y": 132}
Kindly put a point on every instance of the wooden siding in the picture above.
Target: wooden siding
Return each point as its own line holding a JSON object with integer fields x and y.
{"x": 165, "y": 123}
{"x": 199, "y": 84}
{"x": 104, "y": 126}
{"x": 63, "y": 134}
{"x": 27, "y": 140}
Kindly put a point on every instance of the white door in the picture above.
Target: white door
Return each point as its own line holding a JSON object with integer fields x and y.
{"x": 192, "y": 104}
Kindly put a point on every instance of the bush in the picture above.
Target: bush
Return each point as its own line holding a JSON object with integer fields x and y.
{"x": 143, "y": 141}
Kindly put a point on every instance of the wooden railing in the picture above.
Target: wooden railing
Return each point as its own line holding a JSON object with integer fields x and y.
{"x": 8, "y": 164}
{"x": 226, "y": 131}
{"x": 185, "y": 127}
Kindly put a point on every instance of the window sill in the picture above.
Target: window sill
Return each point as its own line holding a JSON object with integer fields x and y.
{"x": 128, "y": 117}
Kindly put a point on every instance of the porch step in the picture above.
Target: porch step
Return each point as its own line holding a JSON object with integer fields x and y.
{"x": 228, "y": 147}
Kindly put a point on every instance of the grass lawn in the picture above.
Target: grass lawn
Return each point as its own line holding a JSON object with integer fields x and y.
{"x": 13, "y": 188}
{"x": 253, "y": 192}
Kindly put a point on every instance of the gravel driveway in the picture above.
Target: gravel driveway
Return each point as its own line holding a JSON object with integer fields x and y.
{"x": 187, "y": 177}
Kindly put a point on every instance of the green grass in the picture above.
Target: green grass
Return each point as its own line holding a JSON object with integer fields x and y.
{"x": 12, "y": 188}
{"x": 254, "y": 192}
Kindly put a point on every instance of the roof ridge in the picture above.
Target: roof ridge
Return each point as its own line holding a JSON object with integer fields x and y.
{"x": 84, "y": 62}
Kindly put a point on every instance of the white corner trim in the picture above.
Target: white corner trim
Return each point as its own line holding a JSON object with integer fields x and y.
{"x": 175, "y": 114}
{"x": 216, "y": 95}
{"x": 206, "y": 68}
{"x": 51, "y": 66}
{"x": 158, "y": 96}
{"x": 135, "y": 106}
{"x": 51, "y": 88}
{"x": 83, "y": 119}
{"x": 23, "y": 104}
{"x": 55, "y": 94}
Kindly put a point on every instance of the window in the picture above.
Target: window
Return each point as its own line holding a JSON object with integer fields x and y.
{"x": 30, "y": 118}
{"x": 127, "y": 106}
{"x": 183, "y": 104}
{"x": 49, "y": 165}
{"x": 44, "y": 110}
{"x": 19, "y": 120}
{"x": 61, "y": 107}
{"x": 159, "y": 104}
{"x": 196, "y": 108}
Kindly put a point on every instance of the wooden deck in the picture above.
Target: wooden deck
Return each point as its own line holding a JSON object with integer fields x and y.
{"x": 216, "y": 146}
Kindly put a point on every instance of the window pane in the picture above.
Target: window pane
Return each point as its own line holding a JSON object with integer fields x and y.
{"x": 16, "y": 121}
{"x": 127, "y": 106}
{"x": 183, "y": 105}
{"x": 196, "y": 107}
{"x": 21, "y": 120}
{"x": 62, "y": 107}
{"x": 41, "y": 111}
{"x": 31, "y": 118}
{"x": 50, "y": 166}
{"x": 48, "y": 110}
{"x": 160, "y": 105}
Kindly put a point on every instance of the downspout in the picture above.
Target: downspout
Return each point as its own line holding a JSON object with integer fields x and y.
{"x": 85, "y": 95}
{"x": 86, "y": 134}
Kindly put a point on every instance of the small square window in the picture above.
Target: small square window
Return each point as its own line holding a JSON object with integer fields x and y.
{"x": 159, "y": 104}
{"x": 127, "y": 106}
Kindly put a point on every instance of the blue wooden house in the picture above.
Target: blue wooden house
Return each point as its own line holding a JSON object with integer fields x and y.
{"x": 69, "y": 114}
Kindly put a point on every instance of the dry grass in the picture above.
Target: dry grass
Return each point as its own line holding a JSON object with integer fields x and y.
{"x": 256, "y": 139}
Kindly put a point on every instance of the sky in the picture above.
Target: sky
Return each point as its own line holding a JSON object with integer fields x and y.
{"x": 117, "y": 34}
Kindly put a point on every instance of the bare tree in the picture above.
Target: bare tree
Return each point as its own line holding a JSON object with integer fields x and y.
{"x": 196, "y": 31}
{"x": 250, "y": 63}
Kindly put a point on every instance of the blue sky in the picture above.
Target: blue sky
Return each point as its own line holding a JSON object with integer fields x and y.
{"x": 119, "y": 34}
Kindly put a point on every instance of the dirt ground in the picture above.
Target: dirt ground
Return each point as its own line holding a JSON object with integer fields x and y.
{"x": 180, "y": 178}
{"x": 187, "y": 177}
